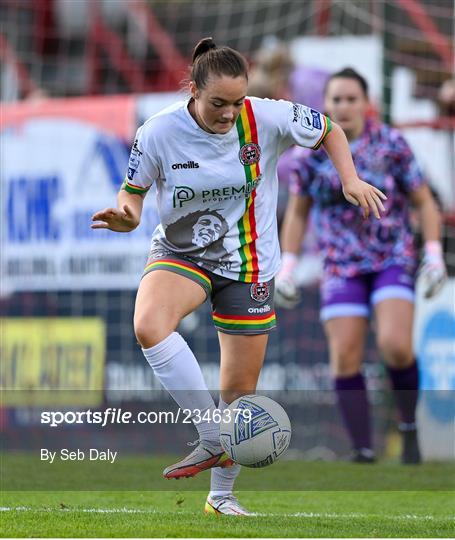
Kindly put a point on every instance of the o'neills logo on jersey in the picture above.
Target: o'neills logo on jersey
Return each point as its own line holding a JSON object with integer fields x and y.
{"x": 263, "y": 309}
{"x": 260, "y": 291}
{"x": 249, "y": 154}
{"x": 187, "y": 165}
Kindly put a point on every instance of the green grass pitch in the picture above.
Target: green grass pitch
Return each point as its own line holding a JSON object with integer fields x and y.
{"x": 318, "y": 513}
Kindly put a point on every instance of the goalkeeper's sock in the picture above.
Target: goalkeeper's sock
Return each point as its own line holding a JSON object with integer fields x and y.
{"x": 353, "y": 403}
{"x": 405, "y": 384}
{"x": 222, "y": 480}
{"x": 179, "y": 372}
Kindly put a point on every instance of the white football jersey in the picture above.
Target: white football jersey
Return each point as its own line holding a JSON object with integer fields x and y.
{"x": 217, "y": 194}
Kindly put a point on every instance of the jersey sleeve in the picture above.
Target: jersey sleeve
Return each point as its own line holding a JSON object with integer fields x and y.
{"x": 405, "y": 168}
{"x": 143, "y": 168}
{"x": 303, "y": 125}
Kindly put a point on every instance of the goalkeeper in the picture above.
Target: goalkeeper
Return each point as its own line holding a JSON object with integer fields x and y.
{"x": 213, "y": 158}
{"x": 368, "y": 264}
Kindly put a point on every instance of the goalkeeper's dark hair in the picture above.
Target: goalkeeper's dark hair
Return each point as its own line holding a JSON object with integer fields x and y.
{"x": 208, "y": 59}
{"x": 349, "y": 73}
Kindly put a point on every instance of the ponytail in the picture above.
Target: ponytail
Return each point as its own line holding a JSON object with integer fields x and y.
{"x": 208, "y": 59}
{"x": 202, "y": 47}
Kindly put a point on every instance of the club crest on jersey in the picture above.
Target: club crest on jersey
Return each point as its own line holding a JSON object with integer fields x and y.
{"x": 250, "y": 153}
{"x": 260, "y": 292}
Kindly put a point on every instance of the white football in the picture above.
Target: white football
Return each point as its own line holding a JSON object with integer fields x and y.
{"x": 256, "y": 431}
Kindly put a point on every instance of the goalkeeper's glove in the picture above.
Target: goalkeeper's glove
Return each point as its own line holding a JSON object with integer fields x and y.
{"x": 287, "y": 294}
{"x": 433, "y": 270}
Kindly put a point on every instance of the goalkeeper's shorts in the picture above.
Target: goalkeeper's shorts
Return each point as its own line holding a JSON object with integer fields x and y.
{"x": 237, "y": 307}
{"x": 354, "y": 297}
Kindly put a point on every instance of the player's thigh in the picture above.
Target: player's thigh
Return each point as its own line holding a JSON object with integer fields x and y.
{"x": 344, "y": 313}
{"x": 393, "y": 301}
{"x": 394, "y": 324}
{"x": 346, "y": 338}
{"x": 242, "y": 357}
{"x": 162, "y": 300}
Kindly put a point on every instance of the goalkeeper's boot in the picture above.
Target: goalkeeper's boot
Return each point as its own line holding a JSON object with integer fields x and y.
{"x": 227, "y": 505}
{"x": 410, "y": 454}
{"x": 205, "y": 456}
{"x": 363, "y": 455}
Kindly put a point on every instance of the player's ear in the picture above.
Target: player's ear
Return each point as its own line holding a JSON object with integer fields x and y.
{"x": 193, "y": 90}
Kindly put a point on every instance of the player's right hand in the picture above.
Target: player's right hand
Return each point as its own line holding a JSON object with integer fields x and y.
{"x": 433, "y": 270}
{"x": 287, "y": 294}
{"x": 115, "y": 219}
{"x": 362, "y": 194}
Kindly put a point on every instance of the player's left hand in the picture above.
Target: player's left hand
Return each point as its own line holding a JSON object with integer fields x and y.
{"x": 433, "y": 269}
{"x": 367, "y": 196}
{"x": 115, "y": 219}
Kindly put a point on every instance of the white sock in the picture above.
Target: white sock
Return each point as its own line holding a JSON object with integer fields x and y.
{"x": 178, "y": 371}
{"x": 222, "y": 480}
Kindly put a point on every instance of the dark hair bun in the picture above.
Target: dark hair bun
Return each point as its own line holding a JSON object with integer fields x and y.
{"x": 203, "y": 46}
{"x": 210, "y": 60}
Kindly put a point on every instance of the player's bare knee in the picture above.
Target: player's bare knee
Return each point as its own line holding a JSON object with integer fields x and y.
{"x": 150, "y": 330}
{"x": 344, "y": 362}
{"x": 396, "y": 351}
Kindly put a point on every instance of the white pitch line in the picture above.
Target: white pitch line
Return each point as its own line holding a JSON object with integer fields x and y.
{"x": 87, "y": 510}
{"x": 357, "y": 515}
{"x": 318, "y": 515}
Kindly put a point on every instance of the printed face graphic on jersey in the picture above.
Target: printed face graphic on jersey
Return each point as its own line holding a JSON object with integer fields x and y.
{"x": 200, "y": 234}
{"x": 206, "y": 230}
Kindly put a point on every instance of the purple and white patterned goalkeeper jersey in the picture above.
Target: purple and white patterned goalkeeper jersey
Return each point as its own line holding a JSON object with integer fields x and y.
{"x": 350, "y": 244}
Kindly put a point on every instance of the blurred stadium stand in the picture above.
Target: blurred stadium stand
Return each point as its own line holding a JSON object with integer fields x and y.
{"x": 68, "y": 47}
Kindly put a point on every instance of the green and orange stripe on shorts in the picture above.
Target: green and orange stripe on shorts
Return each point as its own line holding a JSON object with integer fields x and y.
{"x": 183, "y": 269}
{"x": 249, "y": 324}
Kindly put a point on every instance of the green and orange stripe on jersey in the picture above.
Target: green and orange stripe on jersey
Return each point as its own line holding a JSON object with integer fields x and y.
{"x": 247, "y": 132}
{"x": 133, "y": 188}
{"x": 245, "y": 322}
{"x": 325, "y": 132}
{"x": 182, "y": 269}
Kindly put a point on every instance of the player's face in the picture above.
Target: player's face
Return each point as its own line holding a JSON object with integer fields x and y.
{"x": 206, "y": 230}
{"x": 346, "y": 104}
{"x": 218, "y": 105}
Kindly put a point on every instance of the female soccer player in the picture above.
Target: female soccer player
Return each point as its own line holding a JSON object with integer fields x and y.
{"x": 213, "y": 159}
{"x": 366, "y": 263}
